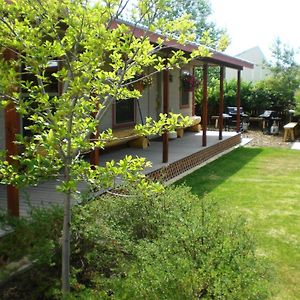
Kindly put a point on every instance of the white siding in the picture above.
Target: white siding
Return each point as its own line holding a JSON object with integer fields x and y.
{"x": 154, "y": 97}
{"x": 151, "y": 102}
{"x": 187, "y": 111}
{"x": 175, "y": 93}
{"x": 151, "y": 98}
{"x": 259, "y": 72}
{"x": 106, "y": 122}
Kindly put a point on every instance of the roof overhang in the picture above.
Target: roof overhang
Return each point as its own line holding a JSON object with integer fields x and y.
{"x": 216, "y": 58}
{"x": 221, "y": 59}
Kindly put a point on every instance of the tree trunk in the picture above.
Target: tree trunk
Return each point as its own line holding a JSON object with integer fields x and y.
{"x": 66, "y": 244}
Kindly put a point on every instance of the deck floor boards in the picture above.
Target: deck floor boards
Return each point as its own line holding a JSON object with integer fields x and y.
{"x": 45, "y": 194}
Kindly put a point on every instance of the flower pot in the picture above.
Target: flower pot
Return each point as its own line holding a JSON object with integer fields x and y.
{"x": 139, "y": 86}
{"x": 172, "y": 135}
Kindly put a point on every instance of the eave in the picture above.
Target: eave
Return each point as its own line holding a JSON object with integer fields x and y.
{"x": 217, "y": 58}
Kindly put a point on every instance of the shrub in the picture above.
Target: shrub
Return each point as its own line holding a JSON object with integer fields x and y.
{"x": 168, "y": 246}
{"x": 36, "y": 238}
{"x": 172, "y": 246}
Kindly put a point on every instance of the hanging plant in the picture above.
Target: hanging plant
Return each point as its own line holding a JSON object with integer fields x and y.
{"x": 189, "y": 82}
{"x": 144, "y": 82}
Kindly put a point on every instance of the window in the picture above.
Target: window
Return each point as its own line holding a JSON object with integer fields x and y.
{"x": 124, "y": 112}
{"x": 51, "y": 87}
{"x": 184, "y": 99}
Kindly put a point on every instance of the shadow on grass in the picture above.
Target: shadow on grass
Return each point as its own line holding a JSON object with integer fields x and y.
{"x": 207, "y": 178}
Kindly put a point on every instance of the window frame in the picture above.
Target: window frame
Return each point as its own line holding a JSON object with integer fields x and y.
{"x": 181, "y": 104}
{"x": 114, "y": 115}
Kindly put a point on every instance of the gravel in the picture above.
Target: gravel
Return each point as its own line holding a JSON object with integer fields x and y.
{"x": 259, "y": 139}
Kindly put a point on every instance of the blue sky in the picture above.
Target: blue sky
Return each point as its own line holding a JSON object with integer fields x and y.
{"x": 251, "y": 23}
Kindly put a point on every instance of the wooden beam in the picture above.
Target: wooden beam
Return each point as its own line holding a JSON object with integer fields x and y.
{"x": 193, "y": 99}
{"x": 238, "y": 102}
{"x": 165, "y": 111}
{"x": 12, "y": 127}
{"x": 221, "y": 102}
{"x": 204, "y": 105}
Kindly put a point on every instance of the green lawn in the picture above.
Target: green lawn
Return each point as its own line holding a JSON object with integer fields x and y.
{"x": 262, "y": 184}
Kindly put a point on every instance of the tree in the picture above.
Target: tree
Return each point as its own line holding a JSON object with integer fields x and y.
{"x": 199, "y": 11}
{"x": 230, "y": 91}
{"x": 97, "y": 59}
{"x": 284, "y": 79}
{"x": 297, "y": 97}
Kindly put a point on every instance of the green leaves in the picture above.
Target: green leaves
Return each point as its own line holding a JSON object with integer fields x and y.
{"x": 124, "y": 175}
{"x": 195, "y": 16}
{"x": 166, "y": 123}
{"x": 170, "y": 245}
{"x": 72, "y": 60}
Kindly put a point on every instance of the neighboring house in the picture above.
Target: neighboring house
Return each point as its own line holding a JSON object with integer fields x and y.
{"x": 259, "y": 72}
{"x": 165, "y": 94}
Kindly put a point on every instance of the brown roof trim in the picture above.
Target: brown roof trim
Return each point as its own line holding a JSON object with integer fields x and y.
{"x": 216, "y": 58}
{"x": 231, "y": 60}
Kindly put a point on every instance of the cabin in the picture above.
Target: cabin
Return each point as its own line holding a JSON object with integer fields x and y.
{"x": 168, "y": 91}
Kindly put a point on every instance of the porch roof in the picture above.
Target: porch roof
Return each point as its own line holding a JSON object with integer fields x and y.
{"x": 216, "y": 58}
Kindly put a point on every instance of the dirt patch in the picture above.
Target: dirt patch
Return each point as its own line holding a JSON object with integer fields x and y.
{"x": 259, "y": 139}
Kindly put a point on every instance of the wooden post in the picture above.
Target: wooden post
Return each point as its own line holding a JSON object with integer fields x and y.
{"x": 12, "y": 127}
{"x": 165, "y": 111}
{"x": 95, "y": 154}
{"x": 95, "y": 157}
{"x": 221, "y": 102}
{"x": 238, "y": 102}
{"x": 193, "y": 99}
{"x": 204, "y": 105}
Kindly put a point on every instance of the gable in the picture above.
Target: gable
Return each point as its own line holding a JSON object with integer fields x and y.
{"x": 255, "y": 55}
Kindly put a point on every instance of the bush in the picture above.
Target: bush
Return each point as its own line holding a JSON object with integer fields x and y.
{"x": 168, "y": 246}
{"x": 172, "y": 246}
{"x": 37, "y": 239}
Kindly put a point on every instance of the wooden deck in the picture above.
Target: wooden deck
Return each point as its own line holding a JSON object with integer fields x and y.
{"x": 184, "y": 154}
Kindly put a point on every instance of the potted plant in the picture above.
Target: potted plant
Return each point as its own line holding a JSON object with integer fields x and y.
{"x": 172, "y": 135}
{"x": 144, "y": 82}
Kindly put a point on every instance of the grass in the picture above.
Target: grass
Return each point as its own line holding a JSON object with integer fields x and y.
{"x": 263, "y": 185}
